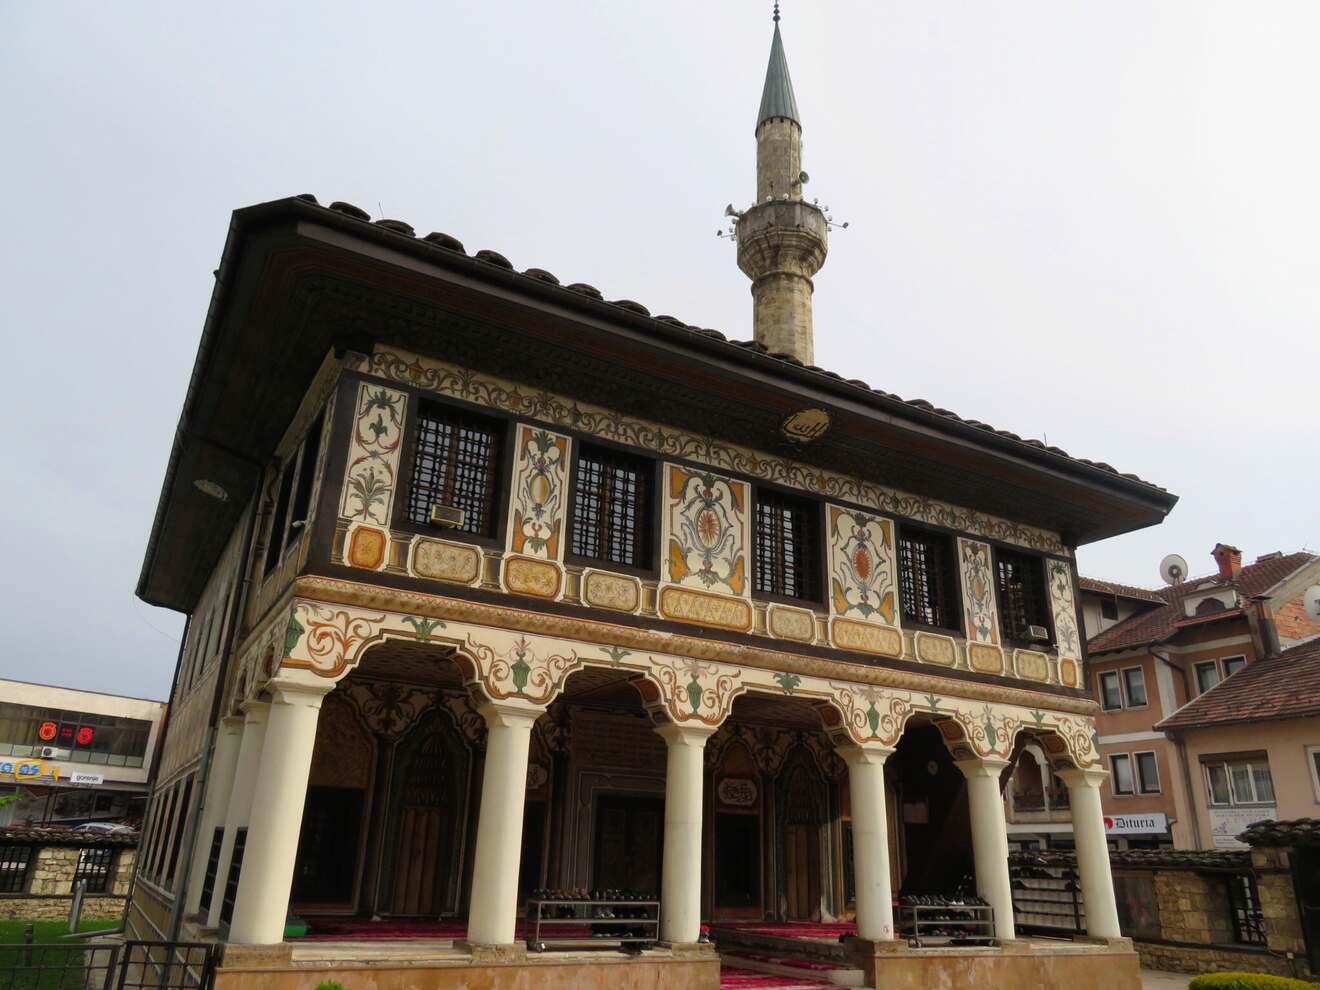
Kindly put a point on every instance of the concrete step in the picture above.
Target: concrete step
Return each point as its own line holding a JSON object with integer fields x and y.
{"x": 811, "y": 971}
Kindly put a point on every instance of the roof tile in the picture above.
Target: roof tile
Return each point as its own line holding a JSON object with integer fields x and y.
{"x": 1278, "y": 687}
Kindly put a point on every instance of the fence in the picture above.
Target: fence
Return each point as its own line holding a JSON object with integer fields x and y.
{"x": 108, "y": 966}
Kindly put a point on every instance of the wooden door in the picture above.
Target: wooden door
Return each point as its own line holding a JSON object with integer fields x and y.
{"x": 420, "y": 863}
{"x": 802, "y": 871}
{"x": 628, "y": 841}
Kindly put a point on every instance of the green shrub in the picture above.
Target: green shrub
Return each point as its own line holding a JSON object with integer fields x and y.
{"x": 1247, "y": 981}
{"x": 329, "y": 985}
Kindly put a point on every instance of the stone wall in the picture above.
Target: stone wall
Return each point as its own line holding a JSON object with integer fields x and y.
{"x": 49, "y": 886}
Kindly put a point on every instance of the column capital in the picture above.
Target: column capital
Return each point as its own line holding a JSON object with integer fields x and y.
{"x": 510, "y": 714}
{"x": 981, "y": 766}
{"x": 290, "y": 691}
{"x": 685, "y": 733}
{"x": 867, "y": 753}
{"x": 254, "y": 710}
{"x": 1091, "y": 777}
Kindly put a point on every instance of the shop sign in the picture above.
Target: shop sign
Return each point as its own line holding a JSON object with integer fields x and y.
{"x": 86, "y": 779}
{"x": 1155, "y": 822}
{"x": 737, "y": 792}
{"x": 1226, "y": 824}
{"x": 24, "y": 769}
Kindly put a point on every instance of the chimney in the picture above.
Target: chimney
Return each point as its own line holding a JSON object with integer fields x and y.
{"x": 1229, "y": 559}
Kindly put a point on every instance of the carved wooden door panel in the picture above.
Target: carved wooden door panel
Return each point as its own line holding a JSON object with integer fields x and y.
{"x": 420, "y": 863}
{"x": 801, "y": 871}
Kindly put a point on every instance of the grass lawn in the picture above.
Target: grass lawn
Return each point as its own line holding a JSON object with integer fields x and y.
{"x": 47, "y": 969}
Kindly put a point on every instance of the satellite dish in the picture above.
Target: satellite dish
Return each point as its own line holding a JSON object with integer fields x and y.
{"x": 1173, "y": 569}
{"x": 1312, "y": 600}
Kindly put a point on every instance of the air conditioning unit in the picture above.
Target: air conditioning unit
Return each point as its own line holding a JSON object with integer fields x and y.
{"x": 53, "y": 753}
{"x": 1038, "y": 634}
{"x": 448, "y": 516}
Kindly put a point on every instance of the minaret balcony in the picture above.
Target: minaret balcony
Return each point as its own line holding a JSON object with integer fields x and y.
{"x": 782, "y": 236}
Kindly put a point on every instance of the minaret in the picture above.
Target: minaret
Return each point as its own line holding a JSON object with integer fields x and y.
{"x": 781, "y": 239}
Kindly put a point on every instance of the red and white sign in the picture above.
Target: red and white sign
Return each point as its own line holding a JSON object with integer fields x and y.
{"x": 1152, "y": 823}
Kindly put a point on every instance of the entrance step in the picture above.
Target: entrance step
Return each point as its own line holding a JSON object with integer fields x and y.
{"x": 751, "y": 942}
{"x": 797, "y": 972}
{"x": 738, "y": 978}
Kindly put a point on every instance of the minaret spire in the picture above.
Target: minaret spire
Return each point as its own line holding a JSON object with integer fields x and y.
{"x": 781, "y": 239}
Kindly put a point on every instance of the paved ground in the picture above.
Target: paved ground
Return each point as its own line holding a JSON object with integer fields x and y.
{"x": 1152, "y": 979}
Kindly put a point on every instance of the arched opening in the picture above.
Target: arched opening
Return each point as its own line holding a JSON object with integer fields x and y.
{"x": 934, "y": 824}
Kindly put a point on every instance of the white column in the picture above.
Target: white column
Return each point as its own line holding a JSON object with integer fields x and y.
{"x": 990, "y": 839}
{"x": 870, "y": 831}
{"x": 493, "y": 912}
{"x": 238, "y": 805}
{"x": 262, "y": 903}
{"x": 1092, "y": 851}
{"x": 680, "y": 880}
{"x": 220, "y": 781}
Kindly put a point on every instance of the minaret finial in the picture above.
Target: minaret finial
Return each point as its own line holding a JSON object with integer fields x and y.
{"x": 776, "y": 11}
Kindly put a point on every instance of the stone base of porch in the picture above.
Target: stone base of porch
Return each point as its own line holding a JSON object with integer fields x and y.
{"x": 1089, "y": 964}
{"x": 383, "y": 965}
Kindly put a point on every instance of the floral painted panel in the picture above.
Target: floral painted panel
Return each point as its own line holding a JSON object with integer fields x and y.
{"x": 1062, "y": 604}
{"x": 540, "y": 482}
{"x": 498, "y": 393}
{"x": 705, "y": 531}
{"x": 863, "y": 582}
{"x": 371, "y": 478}
{"x": 976, "y": 565}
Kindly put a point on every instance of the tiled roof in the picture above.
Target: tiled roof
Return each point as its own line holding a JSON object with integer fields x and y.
{"x": 1121, "y": 590}
{"x": 1159, "y": 624}
{"x": 46, "y": 835}
{"x": 1279, "y": 687}
{"x": 450, "y": 243}
{"x": 1168, "y": 859}
{"x": 1294, "y": 832}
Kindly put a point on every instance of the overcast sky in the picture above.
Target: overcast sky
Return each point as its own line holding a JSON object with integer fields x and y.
{"x": 1091, "y": 222}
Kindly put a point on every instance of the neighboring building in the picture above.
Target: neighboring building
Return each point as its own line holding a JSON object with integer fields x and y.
{"x": 1150, "y": 653}
{"x": 74, "y": 756}
{"x": 1251, "y": 745}
{"x": 496, "y": 587}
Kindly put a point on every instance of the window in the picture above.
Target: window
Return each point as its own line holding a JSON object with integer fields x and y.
{"x": 1134, "y": 683}
{"x": 1021, "y": 594}
{"x": 1245, "y": 911}
{"x": 301, "y": 509}
{"x": 1111, "y": 695}
{"x": 185, "y": 809}
{"x": 212, "y": 867}
{"x": 279, "y": 519}
{"x": 1108, "y": 608}
{"x": 455, "y": 464}
{"x": 94, "y": 867}
{"x": 1207, "y": 676}
{"x": 928, "y": 582}
{"x": 612, "y": 508}
{"x": 1148, "y": 773}
{"x": 1239, "y": 782}
{"x": 25, "y": 730}
{"x": 1313, "y": 761}
{"x": 1232, "y": 665}
{"x": 14, "y": 863}
{"x": 1120, "y": 768}
{"x": 786, "y": 538}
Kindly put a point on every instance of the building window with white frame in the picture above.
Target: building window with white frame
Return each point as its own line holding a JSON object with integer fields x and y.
{"x": 1232, "y": 665}
{"x": 1237, "y": 782}
{"x": 1134, "y": 686}
{"x": 1207, "y": 675}
{"x": 1120, "y": 774}
{"x": 1313, "y": 761}
{"x": 1111, "y": 691}
{"x": 1148, "y": 772}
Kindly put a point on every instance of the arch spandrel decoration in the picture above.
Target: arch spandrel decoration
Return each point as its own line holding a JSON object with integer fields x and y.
{"x": 326, "y": 641}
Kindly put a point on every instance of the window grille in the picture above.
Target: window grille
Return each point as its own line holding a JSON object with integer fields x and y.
{"x": 231, "y": 881}
{"x": 1244, "y": 910}
{"x": 786, "y": 541}
{"x": 927, "y": 581}
{"x": 1021, "y": 593}
{"x": 611, "y": 508}
{"x": 212, "y": 867}
{"x": 184, "y": 811}
{"x": 94, "y": 867}
{"x": 455, "y": 463}
{"x": 14, "y": 863}
{"x": 278, "y": 519}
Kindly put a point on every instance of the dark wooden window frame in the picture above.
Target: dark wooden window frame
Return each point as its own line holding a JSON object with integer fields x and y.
{"x": 17, "y": 864}
{"x": 811, "y": 570}
{"x": 1036, "y": 598}
{"x": 949, "y": 582}
{"x": 96, "y": 866}
{"x": 1244, "y": 910}
{"x": 501, "y": 472}
{"x": 647, "y": 517}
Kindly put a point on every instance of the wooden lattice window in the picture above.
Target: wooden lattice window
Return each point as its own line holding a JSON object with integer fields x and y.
{"x": 14, "y": 863}
{"x": 928, "y": 580}
{"x": 212, "y": 868}
{"x": 94, "y": 866}
{"x": 786, "y": 540}
{"x": 456, "y": 462}
{"x": 1245, "y": 910}
{"x": 1021, "y": 587}
{"x": 612, "y": 508}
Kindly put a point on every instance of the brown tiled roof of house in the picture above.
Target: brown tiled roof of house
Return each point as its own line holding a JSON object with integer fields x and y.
{"x": 50, "y": 835}
{"x": 1100, "y": 587}
{"x": 1160, "y": 624}
{"x": 1291, "y": 832}
{"x": 1279, "y": 687}
{"x": 1160, "y": 859}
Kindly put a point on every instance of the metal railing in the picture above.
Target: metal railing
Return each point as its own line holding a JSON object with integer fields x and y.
{"x": 106, "y": 965}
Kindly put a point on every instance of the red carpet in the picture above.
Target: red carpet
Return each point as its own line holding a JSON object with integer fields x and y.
{"x": 787, "y": 929}
{"x": 746, "y": 979}
{"x": 359, "y": 929}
